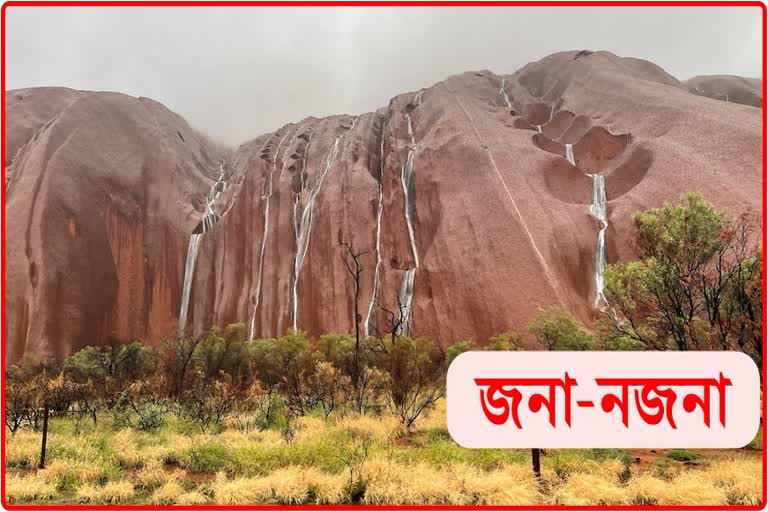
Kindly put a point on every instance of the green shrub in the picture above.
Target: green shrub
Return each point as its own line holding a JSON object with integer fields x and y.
{"x": 206, "y": 457}
{"x": 151, "y": 418}
{"x": 681, "y": 455}
{"x": 557, "y": 329}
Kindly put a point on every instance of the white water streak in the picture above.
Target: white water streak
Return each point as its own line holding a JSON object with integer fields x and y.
{"x": 599, "y": 209}
{"x": 406, "y": 180}
{"x": 379, "y": 211}
{"x": 208, "y": 220}
{"x": 569, "y": 154}
{"x": 303, "y": 227}
{"x": 256, "y": 294}
{"x": 503, "y": 93}
{"x": 194, "y": 243}
{"x": 406, "y": 299}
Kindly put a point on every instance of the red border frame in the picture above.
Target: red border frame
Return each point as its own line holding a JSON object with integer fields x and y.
{"x": 379, "y": 3}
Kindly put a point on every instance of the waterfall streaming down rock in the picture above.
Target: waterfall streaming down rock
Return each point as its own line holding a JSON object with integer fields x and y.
{"x": 256, "y": 293}
{"x": 503, "y": 93}
{"x": 599, "y": 210}
{"x": 406, "y": 300}
{"x": 302, "y": 225}
{"x": 189, "y": 269}
{"x": 409, "y": 201}
{"x": 569, "y": 154}
{"x": 406, "y": 180}
{"x": 207, "y": 222}
{"x": 377, "y": 269}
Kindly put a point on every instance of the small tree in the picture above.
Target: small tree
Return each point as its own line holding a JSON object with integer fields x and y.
{"x": 19, "y": 403}
{"x": 143, "y": 404}
{"x": 556, "y": 329}
{"x": 329, "y": 386}
{"x": 266, "y": 367}
{"x": 508, "y": 340}
{"x": 352, "y": 262}
{"x": 285, "y": 364}
{"x": 696, "y": 284}
{"x": 348, "y": 356}
{"x": 55, "y": 396}
{"x": 223, "y": 351}
{"x": 87, "y": 402}
{"x": 208, "y": 404}
{"x": 256, "y": 408}
{"x": 415, "y": 377}
{"x": 177, "y": 356}
{"x": 395, "y": 320}
{"x": 457, "y": 349}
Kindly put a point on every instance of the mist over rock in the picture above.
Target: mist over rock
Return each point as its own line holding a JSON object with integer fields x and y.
{"x": 472, "y": 199}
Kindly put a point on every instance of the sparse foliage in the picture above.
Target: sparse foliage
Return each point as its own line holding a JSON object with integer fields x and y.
{"x": 696, "y": 285}
{"x": 556, "y": 329}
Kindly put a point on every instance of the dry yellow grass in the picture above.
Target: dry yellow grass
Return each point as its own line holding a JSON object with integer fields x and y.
{"x": 740, "y": 478}
{"x": 192, "y": 498}
{"x": 434, "y": 417}
{"x": 690, "y": 488}
{"x": 168, "y": 493}
{"x": 392, "y": 482}
{"x": 309, "y": 427}
{"x": 22, "y": 448}
{"x": 291, "y": 485}
{"x": 288, "y": 485}
{"x": 381, "y": 429}
{"x": 239, "y": 491}
{"x": 112, "y": 492}
{"x": 154, "y": 474}
{"x": 20, "y": 489}
{"x": 513, "y": 484}
{"x": 328, "y": 488}
{"x": 126, "y": 449}
{"x": 590, "y": 489}
{"x": 84, "y": 472}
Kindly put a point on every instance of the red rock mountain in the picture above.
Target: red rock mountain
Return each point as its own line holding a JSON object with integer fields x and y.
{"x": 475, "y": 201}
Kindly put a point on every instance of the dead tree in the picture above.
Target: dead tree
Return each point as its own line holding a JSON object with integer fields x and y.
{"x": 352, "y": 262}
{"x": 395, "y": 320}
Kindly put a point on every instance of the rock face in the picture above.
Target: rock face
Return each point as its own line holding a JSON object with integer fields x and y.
{"x": 460, "y": 196}
{"x": 100, "y": 200}
{"x": 735, "y": 89}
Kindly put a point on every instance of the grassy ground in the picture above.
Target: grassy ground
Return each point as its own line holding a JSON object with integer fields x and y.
{"x": 357, "y": 459}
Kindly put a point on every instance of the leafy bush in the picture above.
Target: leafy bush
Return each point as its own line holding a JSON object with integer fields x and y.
{"x": 557, "y": 329}
{"x": 151, "y": 418}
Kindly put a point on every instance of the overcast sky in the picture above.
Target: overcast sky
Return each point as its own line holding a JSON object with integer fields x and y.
{"x": 235, "y": 73}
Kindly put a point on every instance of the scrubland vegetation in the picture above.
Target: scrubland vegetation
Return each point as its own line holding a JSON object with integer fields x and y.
{"x": 345, "y": 419}
{"x": 351, "y": 459}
